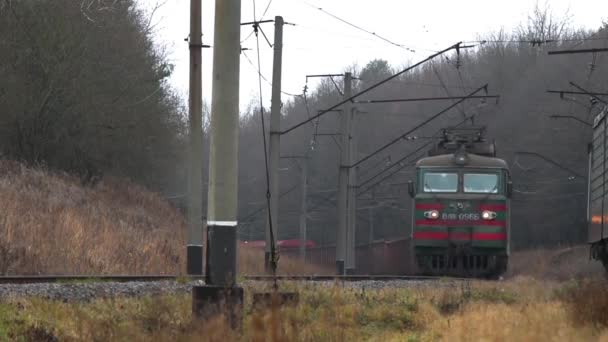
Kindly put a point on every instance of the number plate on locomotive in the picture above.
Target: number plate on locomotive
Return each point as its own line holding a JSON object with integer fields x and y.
{"x": 460, "y": 216}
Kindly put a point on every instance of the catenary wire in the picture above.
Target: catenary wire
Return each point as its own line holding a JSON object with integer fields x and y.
{"x": 359, "y": 27}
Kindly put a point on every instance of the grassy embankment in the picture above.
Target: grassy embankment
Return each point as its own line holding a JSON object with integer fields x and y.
{"x": 521, "y": 309}
{"x": 50, "y": 224}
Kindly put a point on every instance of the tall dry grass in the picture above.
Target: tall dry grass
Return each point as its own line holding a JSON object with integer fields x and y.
{"x": 521, "y": 309}
{"x": 51, "y": 224}
{"x": 554, "y": 263}
{"x": 587, "y": 301}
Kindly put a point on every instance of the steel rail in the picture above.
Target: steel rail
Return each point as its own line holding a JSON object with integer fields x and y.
{"x": 35, "y": 279}
{"x": 379, "y": 277}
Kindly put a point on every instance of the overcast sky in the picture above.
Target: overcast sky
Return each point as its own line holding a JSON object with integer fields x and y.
{"x": 322, "y": 44}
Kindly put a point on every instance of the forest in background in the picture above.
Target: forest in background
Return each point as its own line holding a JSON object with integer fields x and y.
{"x": 85, "y": 90}
{"x": 549, "y": 203}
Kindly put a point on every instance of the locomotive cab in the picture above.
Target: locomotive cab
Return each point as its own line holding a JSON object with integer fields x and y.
{"x": 460, "y": 221}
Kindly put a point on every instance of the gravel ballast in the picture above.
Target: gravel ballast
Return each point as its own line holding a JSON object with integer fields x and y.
{"x": 82, "y": 292}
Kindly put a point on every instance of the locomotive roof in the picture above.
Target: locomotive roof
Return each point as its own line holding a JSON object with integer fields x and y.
{"x": 447, "y": 160}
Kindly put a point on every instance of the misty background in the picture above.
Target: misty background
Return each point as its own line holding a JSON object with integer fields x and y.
{"x": 87, "y": 90}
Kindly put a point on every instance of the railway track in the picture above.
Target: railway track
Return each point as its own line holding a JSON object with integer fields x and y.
{"x": 33, "y": 279}
{"x": 83, "y": 288}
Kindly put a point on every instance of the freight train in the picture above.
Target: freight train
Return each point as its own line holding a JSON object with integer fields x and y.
{"x": 461, "y": 207}
{"x": 597, "y": 211}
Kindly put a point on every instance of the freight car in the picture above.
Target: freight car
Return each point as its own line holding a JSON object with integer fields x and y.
{"x": 597, "y": 209}
{"x": 461, "y": 207}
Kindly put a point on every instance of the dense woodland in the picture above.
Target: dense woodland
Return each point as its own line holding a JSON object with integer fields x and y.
{"x": 83, "y": 89}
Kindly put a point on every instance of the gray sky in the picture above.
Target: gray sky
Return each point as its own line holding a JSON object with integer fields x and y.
{"x": 321, "y": 44}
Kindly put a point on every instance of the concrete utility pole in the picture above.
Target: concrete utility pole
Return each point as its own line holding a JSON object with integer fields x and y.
{"x": 221, "y": 291}
{"x": 341, "y": 239}
{"x": 275, "y": 140}
{"x": 303, "y": 208}
{"x": 352, "y": 185}
{"x": 194, "y": 249}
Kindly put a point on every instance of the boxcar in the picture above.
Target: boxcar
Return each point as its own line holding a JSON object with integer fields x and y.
{"x": 597, "y": 190}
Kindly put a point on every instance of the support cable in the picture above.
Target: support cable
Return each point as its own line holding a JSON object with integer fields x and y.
{"x": 535, "y": 42}
{"x": 423, "y": 123}
{"x": 266, "y": 10}
{"x": 398, "y": 162}
{"x": 462, "y": 86}
{"x": 252, "y": 214}
{"x": 264, "y": 77}
{"x": 336, "y": 85}
{"x": 589, "y": 93}
{"x": 350, "y": 99}
{"x": 552, "y": 162}
{"x": 273, "y": 251}
{"x": 445, "y": 88}
{"x": 360, "y": 28}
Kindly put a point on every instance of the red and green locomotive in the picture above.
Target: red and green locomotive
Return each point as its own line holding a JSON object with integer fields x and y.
{"x": 461, "y": 207}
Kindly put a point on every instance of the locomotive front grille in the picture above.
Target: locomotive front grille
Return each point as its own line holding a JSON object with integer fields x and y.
{"x": 462, "y": 262}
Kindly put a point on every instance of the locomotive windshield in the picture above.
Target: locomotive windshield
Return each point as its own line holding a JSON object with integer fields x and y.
{"x": 440, "y": 182}
{"x": 465, "y": 181}
{"x": 480, "y": 183}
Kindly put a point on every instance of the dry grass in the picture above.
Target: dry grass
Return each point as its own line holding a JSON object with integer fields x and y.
{"x": 50, "y": 224}
{"x": 522, "y": 309}
{"x": 556, "y": 264}
{"x": 587, "y": 301}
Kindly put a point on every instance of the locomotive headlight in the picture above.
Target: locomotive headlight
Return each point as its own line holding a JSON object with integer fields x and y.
{"x": 431, "y": 214}
{"x": 488, "y": 215}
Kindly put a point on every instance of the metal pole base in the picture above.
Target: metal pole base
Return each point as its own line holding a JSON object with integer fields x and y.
{"x": 350, "y": 271}
{"x": 220, "y": 267}
{"x": 339, "y": 267}
{"x": 210, "y": 301}
{"x": 194, "y": 259}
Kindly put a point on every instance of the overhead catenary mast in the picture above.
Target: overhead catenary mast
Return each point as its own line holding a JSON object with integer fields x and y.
{"x": 221, "y": 293}
{"x": 274, "y": 144}
{"x": 194, "y": 249}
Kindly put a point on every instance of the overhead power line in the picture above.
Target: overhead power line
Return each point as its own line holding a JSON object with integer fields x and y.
{"x": 551, "y": 161}
{"x": 252, "y": 214}
{"x": 264, "y": 77}
{"x": 445, "y": 88}
{"x": 419, "y": 99}
{"x": 534, "y": 42}
{"x": 571, "y": 117}
{"x": 266, "y": 10}
{"x": 420, "y": 84}
{"x": 588, "y": 92}
{"x": 423, "y": 123}
{"x": 398, "y": 162}
{"x": 562, "y": 92}
{"x": 546, "y": 198}
{"x": 350, "y": 99}
{"x": 563, "y": 52}
{"x": 360, "y": 28}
